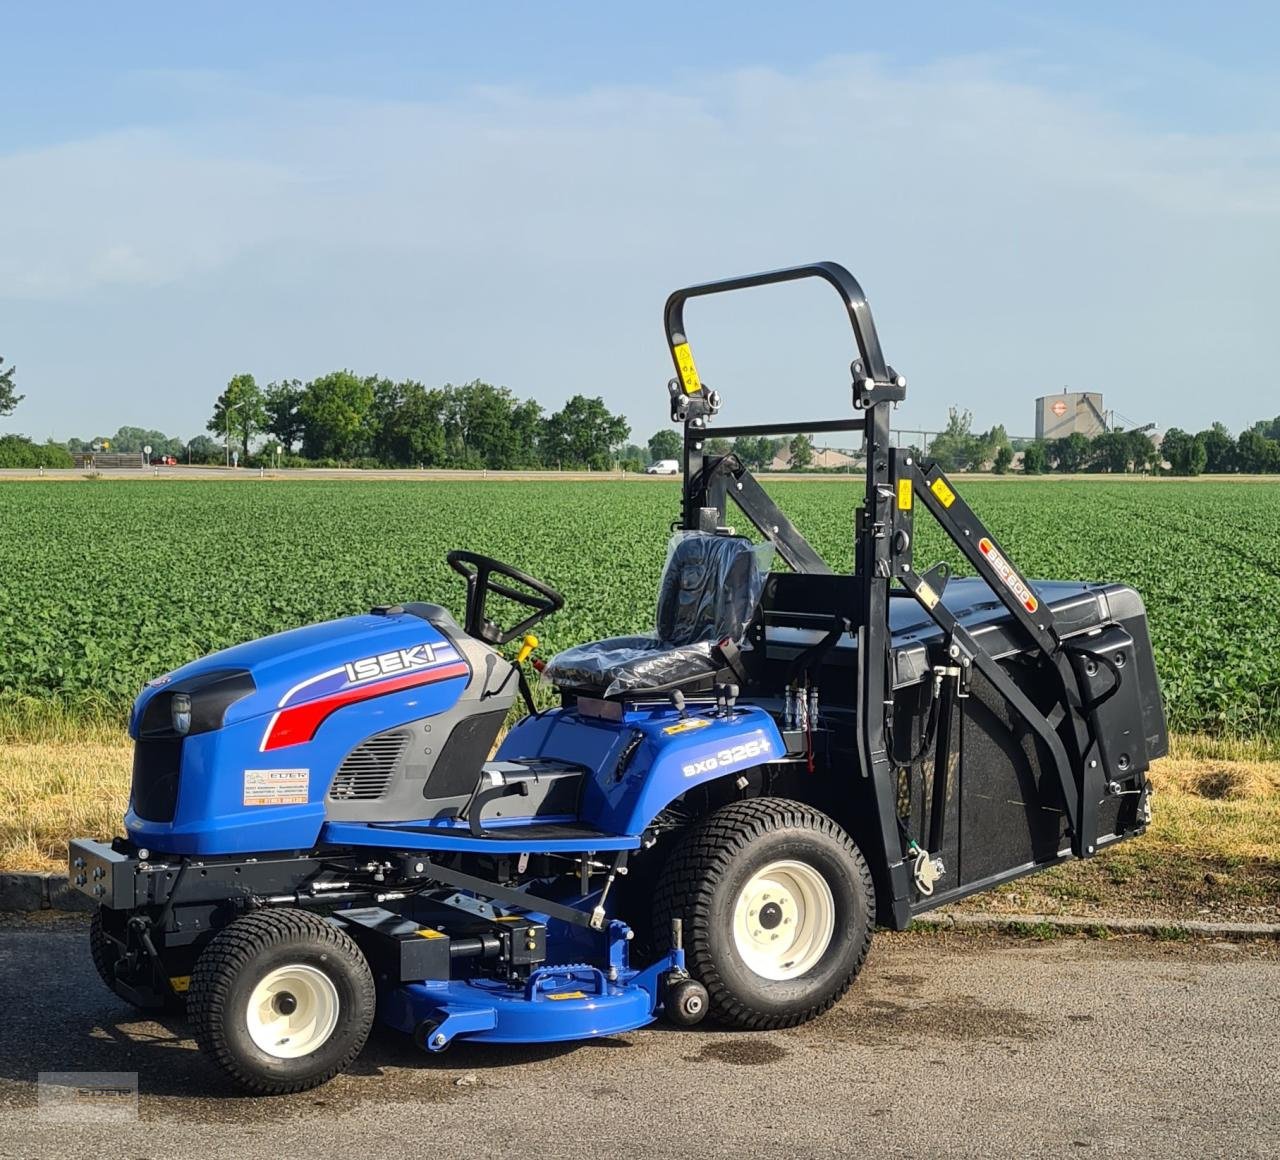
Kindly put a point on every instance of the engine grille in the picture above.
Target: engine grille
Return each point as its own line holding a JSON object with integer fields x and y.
{"x": 157, "y": 762}
{"x": 365, "y": 773}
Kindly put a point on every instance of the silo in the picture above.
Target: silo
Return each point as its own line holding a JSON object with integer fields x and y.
{"x": 1058, "y": 416}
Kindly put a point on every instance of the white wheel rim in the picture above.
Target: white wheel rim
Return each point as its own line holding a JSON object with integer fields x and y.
{"x": 784, "y": 920}
{"x": 292, "y": 1011}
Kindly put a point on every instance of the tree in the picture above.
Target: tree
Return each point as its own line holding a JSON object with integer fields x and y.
{"x": 19, "y": 451}
{"x": 1142, "y": 451}
{"x": 665, "y": 444}
{"x": 1071, "y": 452}
{"x": 240, "y": 411}
{"x": 1110, "y": 451}
{"x": 1268, "y": 428}
{"x": 990, "y": 444}
{"x": 755, "y": 451}
{"x": 582, "y": 433}
{"x": 132, "y": 441}
{"x": 1035, "y": 458}
{"x": 1004, "y": 457}
{"x": 478, "y": 421}
{"x": 280, "y": 403}
{"x": 411, "y": 432}
{"x": 1185, "y": 452}
{"x": 526, "y": 430}
{"x": 717, "y": 446}
{"x": 1219, "y": 449}
{"x": 801, "y": 452}
{"x": 1255, "y": 453}
{"x": 9, "y": 398}
{"x": 204, "y": 449}
{"x": 333, "y": 413}
{"x": 956, "y": 448}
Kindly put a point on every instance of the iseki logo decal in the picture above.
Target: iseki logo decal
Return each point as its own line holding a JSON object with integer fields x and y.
{"x": 388, "y": 664}
{"x": 306, "y": 706}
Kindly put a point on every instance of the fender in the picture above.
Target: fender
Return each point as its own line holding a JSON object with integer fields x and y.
{"x": 645, "y": 761}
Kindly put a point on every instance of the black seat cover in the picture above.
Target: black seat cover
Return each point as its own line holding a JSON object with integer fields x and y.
{"x": 708, "y": 592}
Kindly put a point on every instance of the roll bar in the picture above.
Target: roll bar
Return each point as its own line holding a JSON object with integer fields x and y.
{"x": 844, "y": 283}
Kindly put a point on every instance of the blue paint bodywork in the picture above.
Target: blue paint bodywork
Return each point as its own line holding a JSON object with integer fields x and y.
{"x": 665, "y": 753}
{"x": 211, "y": 816}
{"x": 671, "y": 755}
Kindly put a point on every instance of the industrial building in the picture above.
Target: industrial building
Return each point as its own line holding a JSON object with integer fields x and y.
{"x": 1058, "y": 416}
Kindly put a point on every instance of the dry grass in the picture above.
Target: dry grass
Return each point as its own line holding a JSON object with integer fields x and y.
{"x": 1213, "y": 849}
{"x": 52, "y": 790}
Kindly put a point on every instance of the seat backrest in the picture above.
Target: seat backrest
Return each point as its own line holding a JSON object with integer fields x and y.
{"x": 709, "y": 588}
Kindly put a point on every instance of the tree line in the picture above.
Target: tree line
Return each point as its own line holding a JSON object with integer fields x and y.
{"x": 1256, "y": 450}
{"x": 345, "y": 419}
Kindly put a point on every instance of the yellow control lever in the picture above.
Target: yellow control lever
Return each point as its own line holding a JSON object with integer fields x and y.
{"x": 527, "y": 646}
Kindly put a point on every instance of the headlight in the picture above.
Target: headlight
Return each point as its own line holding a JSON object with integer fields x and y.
{"x": 180, "y": 713}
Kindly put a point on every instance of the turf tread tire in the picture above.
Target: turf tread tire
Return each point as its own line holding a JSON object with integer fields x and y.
{"x": 231, "y": 952}
{"x": 687, "y": 887}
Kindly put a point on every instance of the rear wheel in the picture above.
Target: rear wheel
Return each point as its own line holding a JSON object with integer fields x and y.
{"x": 777, "y": 908}
{"x": 281, "y": 1001}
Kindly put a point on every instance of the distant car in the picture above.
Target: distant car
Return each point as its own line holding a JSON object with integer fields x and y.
{"x": 164, "y": 461}
{"x": 663, "y": 467}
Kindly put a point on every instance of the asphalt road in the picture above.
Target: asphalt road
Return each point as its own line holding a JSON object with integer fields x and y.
{"x": 955, "y": 1045}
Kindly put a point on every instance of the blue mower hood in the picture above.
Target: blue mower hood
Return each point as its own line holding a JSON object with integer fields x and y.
{"x": 235, "y": 751}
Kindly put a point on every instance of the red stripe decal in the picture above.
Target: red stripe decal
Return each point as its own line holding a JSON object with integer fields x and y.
{"x": 298, "y": 723}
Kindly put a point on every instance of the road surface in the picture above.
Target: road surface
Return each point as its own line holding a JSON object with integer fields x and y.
{"x": 953, "y": 1044}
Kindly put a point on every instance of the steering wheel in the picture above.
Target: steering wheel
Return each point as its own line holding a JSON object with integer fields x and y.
{"x": 478, "y": 572}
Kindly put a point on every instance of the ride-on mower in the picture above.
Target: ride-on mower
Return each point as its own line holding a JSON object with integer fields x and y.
{"x": 710, "y": 823}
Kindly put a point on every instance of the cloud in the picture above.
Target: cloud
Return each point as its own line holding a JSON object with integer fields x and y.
{"x": 1012, "y": 238}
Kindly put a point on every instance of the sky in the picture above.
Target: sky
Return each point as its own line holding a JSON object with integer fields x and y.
{"x": 1033, "y": 197}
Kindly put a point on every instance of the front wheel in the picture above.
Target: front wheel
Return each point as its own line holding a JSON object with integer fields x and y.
{"x": 777, "y": 907}
{"x": 281, "y": 1001}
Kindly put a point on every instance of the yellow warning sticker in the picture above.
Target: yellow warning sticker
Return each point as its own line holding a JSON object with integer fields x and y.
{"x": 427, "y": 932}
{"x": 688, "y": 371}
{"x": 181, "y": 984}
{"x": 945, "y": 495}
{"x": 925, "y": 591}
{"x": 569, "y": 995}
{"x": 904, "y": 494}
{"x": 687, "y": 724}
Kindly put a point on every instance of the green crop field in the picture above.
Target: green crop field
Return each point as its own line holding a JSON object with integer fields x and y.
{"x": 103, "y": 585}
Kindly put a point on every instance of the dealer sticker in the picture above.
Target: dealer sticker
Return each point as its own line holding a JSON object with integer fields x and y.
{"x": 687, "y": 724}
{"x": 276, "y": 787}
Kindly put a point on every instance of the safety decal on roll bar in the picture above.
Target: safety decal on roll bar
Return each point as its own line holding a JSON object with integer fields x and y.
{"x": 945, "y": 495}
{"x": 688, "y": 370}
{"x": 1015, "y": 583}
{"x": 904, "y": 494}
